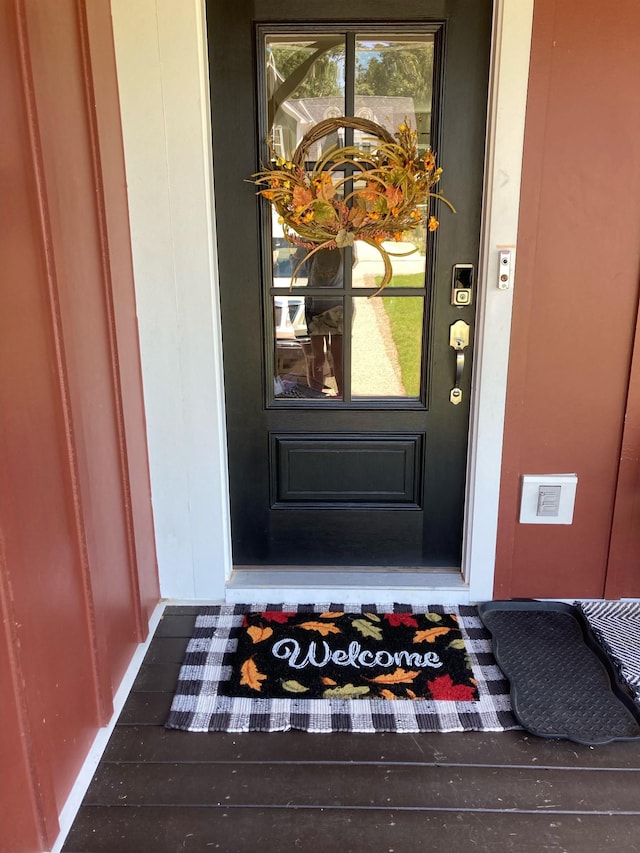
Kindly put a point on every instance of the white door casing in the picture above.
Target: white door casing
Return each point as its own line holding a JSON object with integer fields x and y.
{"x": 161, "y": 54}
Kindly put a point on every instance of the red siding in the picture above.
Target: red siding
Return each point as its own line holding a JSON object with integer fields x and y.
{"x": 576, "y": 290}
{"x": 78, "y": 575}
{"x": 19, "y": 806}
{"x": 623, "y": 571}
{"x": 132, "y": 434}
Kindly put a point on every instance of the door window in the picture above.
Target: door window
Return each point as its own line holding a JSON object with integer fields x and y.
{"x": 330, "y": 344}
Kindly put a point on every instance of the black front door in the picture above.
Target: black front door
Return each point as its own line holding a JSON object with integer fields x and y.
{"x": 347, "y": 444}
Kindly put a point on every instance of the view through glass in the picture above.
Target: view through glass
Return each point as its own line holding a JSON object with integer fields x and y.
{"x": 343, "y": 346}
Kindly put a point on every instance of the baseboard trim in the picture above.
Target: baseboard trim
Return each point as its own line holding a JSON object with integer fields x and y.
{"x": 83, "y": 780}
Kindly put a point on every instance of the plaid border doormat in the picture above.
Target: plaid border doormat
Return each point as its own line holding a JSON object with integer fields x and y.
{"x": 197, "y": 706}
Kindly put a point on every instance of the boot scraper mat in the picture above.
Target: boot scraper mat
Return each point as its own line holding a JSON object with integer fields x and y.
{"x": 562, "y": 683}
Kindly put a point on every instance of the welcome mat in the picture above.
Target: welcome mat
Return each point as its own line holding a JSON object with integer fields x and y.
{"x": 477, "y": 701}
{"x": 335, "y": 655}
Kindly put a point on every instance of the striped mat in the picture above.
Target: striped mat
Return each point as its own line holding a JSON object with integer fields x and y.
{"x": 616, "y": 625}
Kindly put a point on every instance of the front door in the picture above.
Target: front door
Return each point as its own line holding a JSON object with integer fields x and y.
{"x": 347, "y": 412}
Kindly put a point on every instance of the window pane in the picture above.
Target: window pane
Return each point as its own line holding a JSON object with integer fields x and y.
{"x": 408, "y": 260}
{"x": 284, "y": 256}
{"x": 386, "y": 346}
{"x": 305, "y": 84}
{"x": 288, "y": 258}
{"x": 394, "y": 82}
{"x": 308, "y": 347}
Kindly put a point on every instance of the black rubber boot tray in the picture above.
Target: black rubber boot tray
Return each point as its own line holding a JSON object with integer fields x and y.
{"x": 562, "y": 683}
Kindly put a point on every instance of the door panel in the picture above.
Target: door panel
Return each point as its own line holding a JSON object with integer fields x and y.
{"x": 344, "y": 447}
{"x": 374, "y": 472}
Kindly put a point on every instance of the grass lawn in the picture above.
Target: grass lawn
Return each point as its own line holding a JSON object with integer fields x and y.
{"x": 405, "y": 318}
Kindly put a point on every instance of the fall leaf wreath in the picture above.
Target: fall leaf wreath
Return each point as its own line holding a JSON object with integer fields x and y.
{"x": 391, "y": 191}
{"x": 350, "y": 656}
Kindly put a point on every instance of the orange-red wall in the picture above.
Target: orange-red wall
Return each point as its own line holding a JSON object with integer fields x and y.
{"x": 576, "y": 292}
{"x": 78, "y": 577}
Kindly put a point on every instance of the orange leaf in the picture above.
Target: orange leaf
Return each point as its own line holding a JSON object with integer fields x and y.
{"x": 302, "y": 196}
{"x": 388, "y": 694}
{"x": 258, "y": 634}
{"x": 429, "y": 635}
{"x": 329, "y": 681}
{"x": 327, "y": 189}
{"x": 330, "y": 614}
{"x": 394, "y": 195}
{"x": 323, "y": 628}
{"x": 411, "y": 694}
{"x": 357, "y": 216}
{"x": 396, "y": 677}
{"x": 251, "y": 676}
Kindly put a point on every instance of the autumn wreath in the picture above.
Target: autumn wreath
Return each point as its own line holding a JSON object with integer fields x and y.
{"x": 391, "y": 188}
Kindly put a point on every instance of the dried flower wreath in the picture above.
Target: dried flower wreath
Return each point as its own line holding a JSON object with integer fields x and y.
{"x": 390, "y": 195}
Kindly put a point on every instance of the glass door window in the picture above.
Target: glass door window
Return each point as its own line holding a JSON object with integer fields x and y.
{"x": 331, "y": 342}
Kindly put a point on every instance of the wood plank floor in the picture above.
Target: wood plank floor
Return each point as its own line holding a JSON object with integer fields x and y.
{"x": 159, "y": 791}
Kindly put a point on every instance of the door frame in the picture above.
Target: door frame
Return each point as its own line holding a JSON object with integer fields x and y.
{"x": 161, "y": 52}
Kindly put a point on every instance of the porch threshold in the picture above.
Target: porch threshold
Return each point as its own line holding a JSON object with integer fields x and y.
{"x": 352, "y": 586}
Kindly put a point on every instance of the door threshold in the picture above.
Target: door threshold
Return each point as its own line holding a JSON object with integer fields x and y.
{"x": 351, "y": 586}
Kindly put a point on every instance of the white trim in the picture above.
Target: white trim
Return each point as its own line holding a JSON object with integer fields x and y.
{"x": 508, "y": 85}
{"x": 90, "y": 765}
{"x": 162, "y": 70}
{"x": 347, "y": 587}
{"x": 164, "y": 99}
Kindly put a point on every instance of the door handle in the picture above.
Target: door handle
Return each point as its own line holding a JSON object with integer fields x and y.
{"x": 458, "y": 340}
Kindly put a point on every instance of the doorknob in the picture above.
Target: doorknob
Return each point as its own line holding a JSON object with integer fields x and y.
{"x": 458, "y": 340}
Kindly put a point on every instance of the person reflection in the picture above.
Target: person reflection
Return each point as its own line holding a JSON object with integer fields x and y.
{"x": 324, "y": 317}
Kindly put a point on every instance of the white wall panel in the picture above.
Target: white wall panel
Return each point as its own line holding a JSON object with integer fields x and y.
{"x": 162, "y": 71}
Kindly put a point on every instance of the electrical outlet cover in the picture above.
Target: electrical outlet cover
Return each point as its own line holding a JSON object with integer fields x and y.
{"x": 531, "y": 484}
